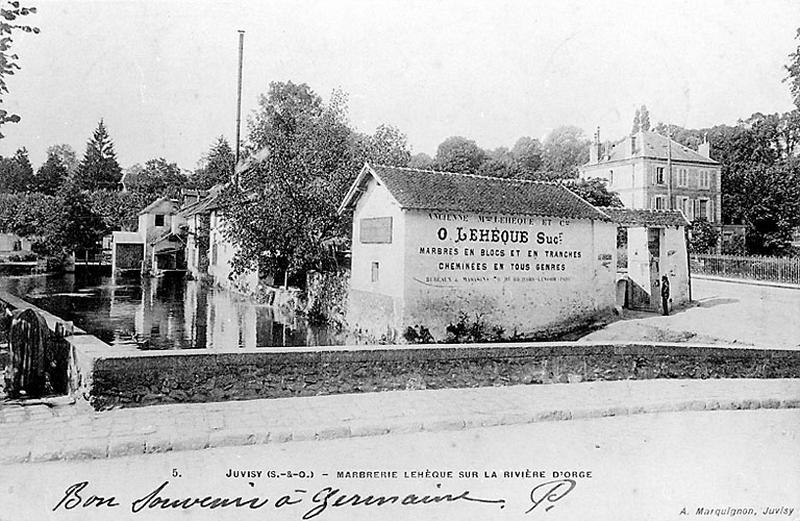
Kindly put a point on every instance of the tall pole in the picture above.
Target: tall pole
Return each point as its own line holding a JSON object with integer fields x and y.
{"x": 238, "y": 107}
{"x": 670, "y": 205}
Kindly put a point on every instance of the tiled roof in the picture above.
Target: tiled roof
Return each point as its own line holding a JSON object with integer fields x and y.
{"x": 634, "y": 217}
{"x": 446, "y": 191}
{"x": 155, "y": 204}
{"x": 654, "y": 145}
{"x": 210, "y": 202}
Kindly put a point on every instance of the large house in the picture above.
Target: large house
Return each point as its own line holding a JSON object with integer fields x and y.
{"x": 651, "y": 171}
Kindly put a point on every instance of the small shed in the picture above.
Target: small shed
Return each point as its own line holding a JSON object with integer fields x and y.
{"x": 656, "y": 246}
{"x": 434, "y": 249}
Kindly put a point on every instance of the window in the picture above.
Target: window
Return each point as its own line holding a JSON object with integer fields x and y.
{"x": 375, "y": 273}
{"x": 704, "y": 179}
{"x": 659, "y": 175}
{"x": 683, "y": 177}
{"x": 159, "y": 219}
{"x": 702, "y": 208}
{"x": 214, "y": 254}
{"x": 610, "y": 177}
{"x": 685, "y": 206}
{"x": 659, "y": 202}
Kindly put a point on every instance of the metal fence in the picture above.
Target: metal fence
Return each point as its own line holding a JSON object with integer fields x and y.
{"x": 776, "y": 269}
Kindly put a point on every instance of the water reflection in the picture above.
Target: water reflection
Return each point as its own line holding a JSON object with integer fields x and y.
{"x": 164, "y": 313}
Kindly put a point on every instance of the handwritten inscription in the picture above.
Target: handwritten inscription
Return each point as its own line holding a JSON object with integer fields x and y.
{"x": 542, "y": 496}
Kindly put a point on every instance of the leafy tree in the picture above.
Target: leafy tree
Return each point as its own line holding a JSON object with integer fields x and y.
{"x": 769, "y": 204}
{"x": 644, "y": 118}
{"x": 499, "y": 163}
{"x": 120, "y": 210}
{"x": 216, "y": 166}
{"x": 459, "y": 154}
{"x": 287, "y": 212}
{"x": 529, "y": 155}
{"x": 566, "y": 149}
{"x": 16, "y": 172}
{"x": 156, "y": 177}
{"x": 66, "y": 154}
{"x": 704, "y": 237}
{"x": 421, "y": 161}
{"x": 50, "y": 176}
{"x": 594, "y": 191}
{"x": 387, "y": 146}
{"x": 80, "y": 226}
{"x": 99, "y": 168}
{"x": 793, "y": 68}
{"x": 10, "y": 14}
{"x": 637, "y": 122}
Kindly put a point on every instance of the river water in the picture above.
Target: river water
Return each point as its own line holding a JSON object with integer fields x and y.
{"x": 164, "y": 313}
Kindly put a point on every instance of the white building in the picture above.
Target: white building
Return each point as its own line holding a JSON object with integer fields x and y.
{"x": 429, "y": 247}
{"x": 650, "y": 171}
{"x": 656, "y": 246}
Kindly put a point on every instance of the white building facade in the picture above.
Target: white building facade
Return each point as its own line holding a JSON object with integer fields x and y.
{"x": 430, "y": 248}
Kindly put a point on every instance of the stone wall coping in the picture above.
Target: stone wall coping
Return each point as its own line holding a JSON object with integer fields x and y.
{"x": 504, "y": 349}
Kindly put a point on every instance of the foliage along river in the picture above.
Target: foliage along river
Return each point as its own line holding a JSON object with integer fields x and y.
{"x": 165, "y": 313}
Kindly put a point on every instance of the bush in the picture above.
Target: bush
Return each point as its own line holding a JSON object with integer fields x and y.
{"x": 23, "y": 257}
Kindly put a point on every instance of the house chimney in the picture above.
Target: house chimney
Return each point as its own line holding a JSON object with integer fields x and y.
{"x": 704, "y": 149}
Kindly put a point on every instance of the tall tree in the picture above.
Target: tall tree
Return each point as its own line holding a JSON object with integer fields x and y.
{"x": 529, "y": 155}
{"x": 566, "y": 149}
{"x": 386, "y": 146}
{"x": 500, "y": 162}
{"x": 637, "y": 122}
{"x": 16, "y": 172}
{"x": 158, "y": 176}
{"x": 50, "y": 176}
{"x": 215, "y": 167}
{"x": 99, "y": 168}
{"x": 793, "y": 68}
{"x": 10, "y": 14}
{"x": 459, "y": 154}
{"x": 286, "y": 214}
{"x": 66, "y": 154}
{"x": 644, "y": 118}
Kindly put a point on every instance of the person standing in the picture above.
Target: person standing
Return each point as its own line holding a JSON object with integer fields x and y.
{"x": 665, "y": 295}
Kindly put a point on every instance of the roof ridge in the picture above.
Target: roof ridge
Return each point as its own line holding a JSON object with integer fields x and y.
{"x": 477, "y": 176}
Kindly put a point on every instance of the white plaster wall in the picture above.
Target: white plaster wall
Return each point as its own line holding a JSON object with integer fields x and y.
{"x": 221, "y": 269}
{"x": 507, "y": 285}
{"x": 675, "y": 264}
{"x": 375, "y": 307}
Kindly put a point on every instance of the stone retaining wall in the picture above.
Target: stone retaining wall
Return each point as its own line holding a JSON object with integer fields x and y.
{"x": 197, "y": 376}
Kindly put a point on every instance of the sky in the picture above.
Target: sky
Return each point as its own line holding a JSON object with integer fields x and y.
{"x": 162, "y": 75}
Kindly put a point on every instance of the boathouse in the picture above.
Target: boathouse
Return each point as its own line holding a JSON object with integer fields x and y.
{"x": 435, "y": 248}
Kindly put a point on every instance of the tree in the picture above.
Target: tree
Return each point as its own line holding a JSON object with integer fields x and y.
{"x": 99, "y": 168}
{"x": 80, "y": 226}
{"x": 529, "y": 155}
{"x": 16, "y": 172}
{"x": 793, "y": 68}
{"x": 594, "y": 191}
{"x": 287, "y": 212}
{"x": 66, "y": 154}
{"x": 704, "y": 237}
{"x": 119, "y": 210}
{"x": 499, "y": 163}
{"x": 644, "y": 118}
{"x": 566, "y": 149}
{"x": 10, "y": 13}
{"x": 421, "y": 161}
{"x": 387, "y": 146}
{"x": 459, "y": 154}
{"x": 157, "y": 177}
{"x": 50, "y": 176}
{"x": 216, "y": 166}
{"x": 637, "y": 122}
